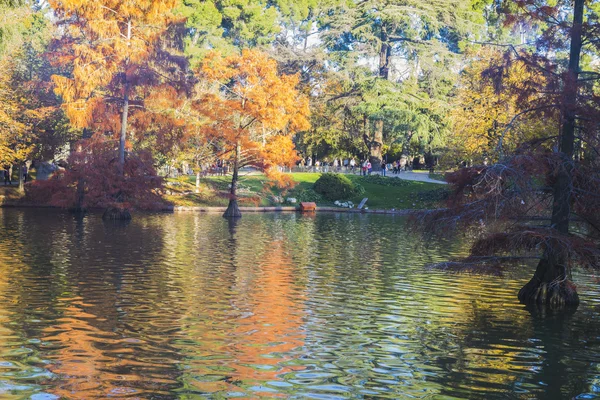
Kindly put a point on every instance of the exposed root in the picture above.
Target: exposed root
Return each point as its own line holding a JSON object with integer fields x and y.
{"x": 233, "y": 210}
{"x": 555, "y": 294}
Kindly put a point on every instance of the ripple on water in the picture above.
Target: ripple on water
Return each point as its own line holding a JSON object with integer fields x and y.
{"x": 325, "y": 307}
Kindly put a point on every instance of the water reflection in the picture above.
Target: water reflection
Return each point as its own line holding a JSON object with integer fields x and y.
{"x": 332, "y": 306}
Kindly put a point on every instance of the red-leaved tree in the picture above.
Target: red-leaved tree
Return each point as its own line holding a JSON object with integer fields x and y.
{"x": 543, "y": 200}
{"x": 92, "y": 180}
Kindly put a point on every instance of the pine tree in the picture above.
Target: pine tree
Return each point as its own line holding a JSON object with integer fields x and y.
{"x": 426, "y": 36}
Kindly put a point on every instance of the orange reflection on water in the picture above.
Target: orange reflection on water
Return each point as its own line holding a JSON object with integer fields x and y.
{"x": 270, "y": 325}
{"x": 73, "y": 345}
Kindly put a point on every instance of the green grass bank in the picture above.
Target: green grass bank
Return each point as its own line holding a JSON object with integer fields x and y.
{"x": 255, "y": 190}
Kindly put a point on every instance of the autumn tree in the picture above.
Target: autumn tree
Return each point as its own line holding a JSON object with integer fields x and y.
{"x": 491, "y": 113}
{"x": 112, "y": 46}
{"x": 12, "y": 16}
{"x": 92, "y": 182}
{"x": 16, "y": 143}
{"x": 32, "y": 126}
{"x": 541, "y": 200}
{"x": 252, "y": 110}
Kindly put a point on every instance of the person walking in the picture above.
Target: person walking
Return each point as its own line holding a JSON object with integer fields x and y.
{"x": 352, "y": 164}
{"x": 25, "y": 173}
{"x": 383, "y": 168}
{"x": 369, "y": 167}
{"x": 402, "y": 164}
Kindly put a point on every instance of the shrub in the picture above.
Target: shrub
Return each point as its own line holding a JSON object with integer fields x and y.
{"x": 434, "y": 196}
{"x": 337, "y": 187}
{"x": 92, "y": 180}
{"x": 307, "y": 195}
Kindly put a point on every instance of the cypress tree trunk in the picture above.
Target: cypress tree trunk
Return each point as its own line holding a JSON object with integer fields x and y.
{"x": 198, "y": 180}
{"x": 550, "y": 284}
{"x": 80, "y": 197}
{"x": 125, "y": 112}
{"x": 117, "y": 213}
{"x": 233, "y": 210}
{"x": 21, "y": 180}
{"x": 123, "y": 136}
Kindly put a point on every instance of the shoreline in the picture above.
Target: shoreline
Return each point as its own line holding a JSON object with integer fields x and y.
{"x": 288, "y": 209}
{"x": 177, "y": 209}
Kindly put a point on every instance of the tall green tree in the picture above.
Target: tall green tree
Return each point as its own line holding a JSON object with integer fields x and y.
{"x": 411, "y": 44}
{"x": 225, "y": 25}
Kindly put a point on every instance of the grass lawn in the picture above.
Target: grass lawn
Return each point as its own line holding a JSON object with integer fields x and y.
{"x": 438, "y": 176}
{"x": 255, "y": 191}
{"x": 416, "y": 195}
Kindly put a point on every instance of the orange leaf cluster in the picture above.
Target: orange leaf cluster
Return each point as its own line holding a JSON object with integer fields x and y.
{"x": 247, "y": 102}
{"x": 104, "y": 39}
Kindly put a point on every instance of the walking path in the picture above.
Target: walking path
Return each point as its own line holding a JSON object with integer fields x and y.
{"x": 412, "y": 176}
{"x": 406, "y": 175}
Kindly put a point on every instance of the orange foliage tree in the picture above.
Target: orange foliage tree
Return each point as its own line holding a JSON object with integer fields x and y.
{"x": 252, "y": 110}
{"x": 113, "y": 47}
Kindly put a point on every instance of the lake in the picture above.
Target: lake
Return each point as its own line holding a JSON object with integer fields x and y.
{"x": 332, "y": 306}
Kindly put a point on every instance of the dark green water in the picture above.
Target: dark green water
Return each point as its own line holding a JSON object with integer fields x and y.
{"x": 279, "y": 306}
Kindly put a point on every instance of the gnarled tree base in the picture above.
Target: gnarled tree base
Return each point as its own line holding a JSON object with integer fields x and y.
{"x": 233, "y": 210}
{"x": 550, "y": 288}
{"x": 116, "y": 214}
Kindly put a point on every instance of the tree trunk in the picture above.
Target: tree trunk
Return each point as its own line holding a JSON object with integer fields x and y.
{"x": 80, "y": 196}
{"x": 233, "y": 210}
{"x": 123, "y": 136}
{"x": 376, "y": 145}
{"x": 550, "y": 285}
{"x": 198, "y": 180}
{"x": 21, "y": 180}
{"x": 385, "y": 58}
{"x": 376, "y": 142}
{"x": 124, "y": 113}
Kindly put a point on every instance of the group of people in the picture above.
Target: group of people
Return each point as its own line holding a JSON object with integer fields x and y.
{"x": 337, "y": 165}
{"x": 395, "y": 166}
{"x": 351, "y": 165}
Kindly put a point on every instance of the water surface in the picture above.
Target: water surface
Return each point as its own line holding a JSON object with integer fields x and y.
{"x": 189, "y": 306}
